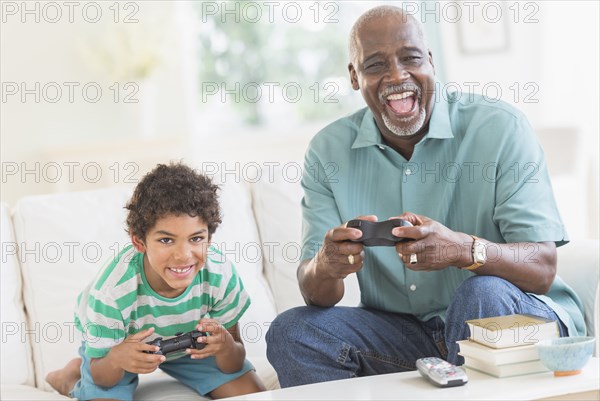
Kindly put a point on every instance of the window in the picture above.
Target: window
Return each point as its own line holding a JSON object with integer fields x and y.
{"x": 276, "y": 61}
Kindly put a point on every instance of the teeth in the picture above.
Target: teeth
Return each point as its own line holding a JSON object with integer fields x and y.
{"x": 400, "y": 96}
{"x": 180, "y": 270}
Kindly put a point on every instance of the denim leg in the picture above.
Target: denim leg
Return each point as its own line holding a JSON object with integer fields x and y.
{"x": 310, "y": 344}
{"x": 488, "y": 296}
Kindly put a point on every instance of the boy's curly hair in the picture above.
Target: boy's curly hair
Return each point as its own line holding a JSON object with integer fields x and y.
{"x": 173, "y": 189}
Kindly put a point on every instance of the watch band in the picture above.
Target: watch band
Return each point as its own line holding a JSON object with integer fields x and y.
{"x": 475, "y": 264}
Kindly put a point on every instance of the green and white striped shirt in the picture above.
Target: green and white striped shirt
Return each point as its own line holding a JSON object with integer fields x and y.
{"x": 120, "y": 302}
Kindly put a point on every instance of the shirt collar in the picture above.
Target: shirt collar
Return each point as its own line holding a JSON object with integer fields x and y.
{"x": 368, "y": 133}
{"x": 439, "y": 124}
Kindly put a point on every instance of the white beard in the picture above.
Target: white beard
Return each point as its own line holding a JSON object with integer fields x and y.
{"x": 406, "y": 131}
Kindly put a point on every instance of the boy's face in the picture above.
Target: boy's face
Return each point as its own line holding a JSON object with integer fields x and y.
{"x": 175, "y": 250}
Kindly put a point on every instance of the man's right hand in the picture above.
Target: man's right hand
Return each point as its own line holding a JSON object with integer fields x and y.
{"x": 321, "y": 278}
{"x": 339, "y": 256}
{"x": 127, "y": 356}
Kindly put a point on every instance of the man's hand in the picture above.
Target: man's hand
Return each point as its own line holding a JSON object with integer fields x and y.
{"x": 531, "y": 266}
{"x": 321, "y": 278}
{"x": 435, "y": 245}
{"x": 130, "y": 355}
{"x": 339, "y": 257}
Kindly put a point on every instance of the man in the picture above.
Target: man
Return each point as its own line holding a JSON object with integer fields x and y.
{"x": 466, "y": 172}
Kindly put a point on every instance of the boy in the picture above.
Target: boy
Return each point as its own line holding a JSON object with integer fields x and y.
{"x": 163, "y": 284}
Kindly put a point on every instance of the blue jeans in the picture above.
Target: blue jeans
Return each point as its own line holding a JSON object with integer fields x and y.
{"x": 311, "y": 344}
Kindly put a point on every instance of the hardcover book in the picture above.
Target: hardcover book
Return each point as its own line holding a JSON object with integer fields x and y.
{"x": 512, "y": 369}
{"x": 498, "y": 356}
{"x": 512, "y": 330}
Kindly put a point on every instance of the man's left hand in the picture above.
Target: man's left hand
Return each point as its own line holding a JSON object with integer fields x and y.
{"x": 433, "y": 246}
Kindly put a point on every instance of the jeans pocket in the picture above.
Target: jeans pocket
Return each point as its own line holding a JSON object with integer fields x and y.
{"x": 343, "y": 355}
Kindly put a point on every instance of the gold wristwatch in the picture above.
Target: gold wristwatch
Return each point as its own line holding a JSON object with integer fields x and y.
{"x": 479, "y": 253}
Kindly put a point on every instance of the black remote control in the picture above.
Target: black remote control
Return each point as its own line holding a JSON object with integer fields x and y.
{"x": 180, "y": 342}
{"x": 378, "y": 233}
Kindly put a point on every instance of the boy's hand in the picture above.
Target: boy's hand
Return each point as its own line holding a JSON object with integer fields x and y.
{"x": 218, "y": 341}
{"x": 130, "y": 355}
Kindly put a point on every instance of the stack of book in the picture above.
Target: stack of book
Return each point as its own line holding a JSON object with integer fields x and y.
{"x": 504, "y": 346}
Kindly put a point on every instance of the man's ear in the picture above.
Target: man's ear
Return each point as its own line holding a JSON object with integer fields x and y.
{"x": 138, "y": 244}
{"x": 431, "y": 61}
{"x": 353, "y": 77}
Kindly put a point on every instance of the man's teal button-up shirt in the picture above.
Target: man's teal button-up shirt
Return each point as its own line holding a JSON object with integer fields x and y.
{"x": 479, "y": 170}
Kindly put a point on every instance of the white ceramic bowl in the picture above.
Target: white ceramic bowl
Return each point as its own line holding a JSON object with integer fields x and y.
{"x": 566, "y": 356}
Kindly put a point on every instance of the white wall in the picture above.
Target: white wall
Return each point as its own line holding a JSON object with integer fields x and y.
{"x": 67, "y": 129}
{"x": 571, "y": 73}
{"x": 549, "y": 71}
{"x": 558, "y": 54}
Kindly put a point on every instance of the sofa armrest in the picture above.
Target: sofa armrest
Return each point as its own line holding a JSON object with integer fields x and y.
{"x": 16, "y": 367}
{"x": 578, "y": 266}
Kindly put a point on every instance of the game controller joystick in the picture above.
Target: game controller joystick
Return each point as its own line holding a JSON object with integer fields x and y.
{"x": 378, "y": 233}
{"x": 180, "y": 342}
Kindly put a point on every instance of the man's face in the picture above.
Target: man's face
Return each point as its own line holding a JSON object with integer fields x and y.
{"x": 394, "y": 72}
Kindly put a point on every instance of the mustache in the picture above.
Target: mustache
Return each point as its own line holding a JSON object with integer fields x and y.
{"x": 390, "y": 89}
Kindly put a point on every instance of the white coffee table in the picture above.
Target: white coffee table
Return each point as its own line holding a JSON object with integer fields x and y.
{"x": 411, "y": 386}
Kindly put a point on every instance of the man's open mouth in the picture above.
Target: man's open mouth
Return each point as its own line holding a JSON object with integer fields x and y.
{"x": 404, "y": 103}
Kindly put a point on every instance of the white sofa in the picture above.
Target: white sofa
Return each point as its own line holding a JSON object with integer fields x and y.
{"x": 53, "y": 244}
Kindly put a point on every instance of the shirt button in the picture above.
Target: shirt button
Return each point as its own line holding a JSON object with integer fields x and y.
{"x": 381, "y": 147}
{"x": 408, "y": 171}
{"x": 413, "y": 287}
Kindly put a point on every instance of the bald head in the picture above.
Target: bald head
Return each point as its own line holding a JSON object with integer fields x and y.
{"x": 393, "y": 69}
{"x": 375, "y": 14}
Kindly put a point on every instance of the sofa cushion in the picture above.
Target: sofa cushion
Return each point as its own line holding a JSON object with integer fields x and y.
{"x": 15, "y": 392}
{"x": 237, "y": 238}
{"x": 17, "y": 366}
{"x": 64, "y": 240}
{"x": 276, "y": 202}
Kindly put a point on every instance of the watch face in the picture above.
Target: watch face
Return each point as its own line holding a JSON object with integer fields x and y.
{"x": 480, "y": 254}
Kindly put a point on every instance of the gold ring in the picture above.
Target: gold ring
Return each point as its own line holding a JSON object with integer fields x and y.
{"x": 413, "y": 259}
{"x": 351, "y": 259}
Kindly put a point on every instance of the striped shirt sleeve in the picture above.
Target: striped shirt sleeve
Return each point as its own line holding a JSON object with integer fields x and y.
{"x": 99, "y": 314}
{"x": 105, "y": 327}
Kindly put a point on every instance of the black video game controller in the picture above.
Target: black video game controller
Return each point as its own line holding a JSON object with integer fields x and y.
{"x": 180, "y": 342}
{"x": 378, "y": 233}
